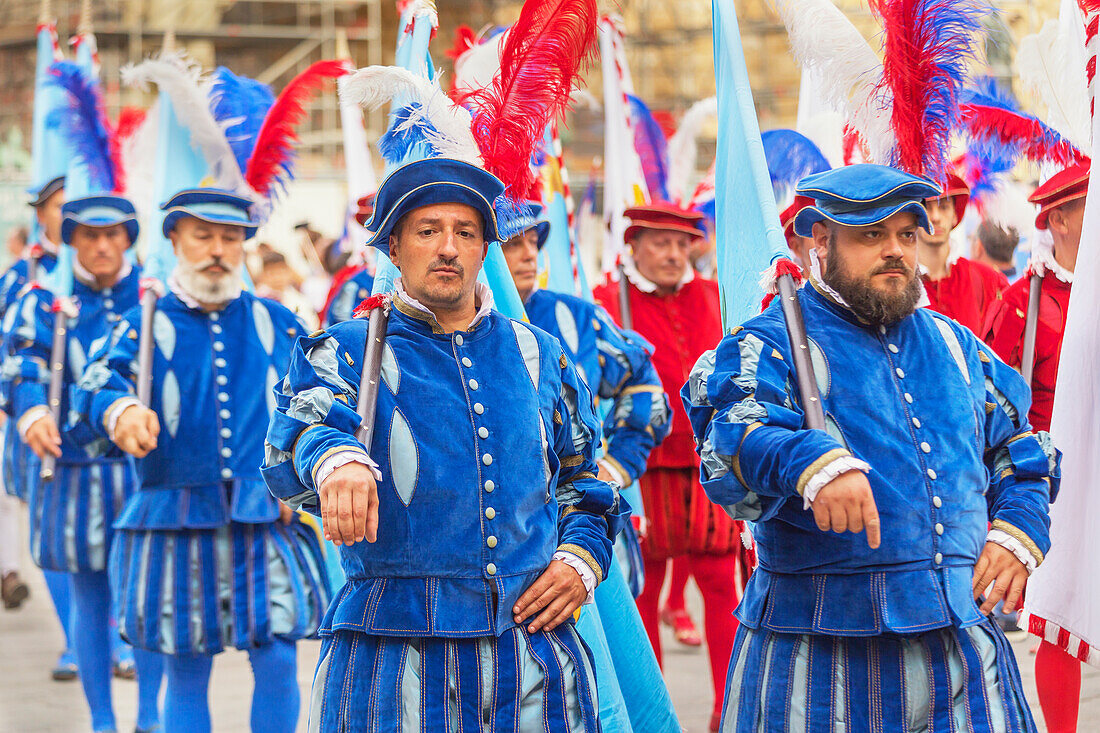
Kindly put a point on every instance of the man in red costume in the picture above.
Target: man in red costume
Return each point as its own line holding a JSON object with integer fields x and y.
{"x": 679, "y": 313}
{"x": 961, "y": 289}
{"x": 1061, "y": 203}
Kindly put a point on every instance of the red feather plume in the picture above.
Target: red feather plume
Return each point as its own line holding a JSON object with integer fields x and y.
{"x": 1034, "y": 140}
{"x": 129, "y": 120}
{"x": 278, "y": 134}
{"x": 544, "y": 53}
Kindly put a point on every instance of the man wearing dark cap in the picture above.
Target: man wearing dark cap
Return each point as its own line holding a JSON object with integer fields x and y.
{"x": 679, "y": 313}
{"x": 473, "y": 526}
{"x": 957, "y": 287}
{"x": 1061, "y": 202}
{"x": 877, "y": 536}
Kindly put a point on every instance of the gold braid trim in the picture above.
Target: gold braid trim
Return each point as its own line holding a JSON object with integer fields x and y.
{"x": 585, "y": 555}
{"x": 326, "y": 454}
{"x": 735, "y": 459}
{"x": 606, "y": 457}
{"x": 816, "y": 466}
{"x": 1018, "y": 535}
{"x": 1021, "y": 436}
{"x": 570, "y": 461}
{"x": 655, "y": 388}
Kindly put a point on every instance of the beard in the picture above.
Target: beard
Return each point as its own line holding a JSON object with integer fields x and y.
{"x": 870, "y": 304}
{"x": 206, "y": 287}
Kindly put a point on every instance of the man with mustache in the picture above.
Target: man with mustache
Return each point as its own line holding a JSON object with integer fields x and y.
{"x": 71, "y": 515}
{"x": 885, "y": 539}
{"x": 473, "y": 526}
{"x": 678, "y": 312}
{"x": 204, "y": 558}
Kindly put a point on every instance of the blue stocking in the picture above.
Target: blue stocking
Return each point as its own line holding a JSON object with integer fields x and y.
{"x": 150, "y": 670}
{"x": 186, "y": 708}
{"x": 59, "y": 585}
{"x": 275, "y": 670}
{"x": 91, "y": 604}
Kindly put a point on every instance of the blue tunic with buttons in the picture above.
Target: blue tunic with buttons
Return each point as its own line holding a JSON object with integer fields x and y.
{"x": 71, "y": 515}
{"x": 485, "y": 440}
{"x": 616, "y": 366}
{"x": 201, "y": 562}
{"x": 942, "y": 422}
{"x": 21, "y": 465}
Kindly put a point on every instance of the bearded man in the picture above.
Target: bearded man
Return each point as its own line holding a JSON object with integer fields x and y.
{"x": 204, "y": 558}
{"x": 873, "y": 535}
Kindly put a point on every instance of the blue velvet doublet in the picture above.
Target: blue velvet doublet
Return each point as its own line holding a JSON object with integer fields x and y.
{"x": 616, "y": 366}
{"x": 942, "y": 422}
{"x": 70, "y": 516}
{"x": 485, "y": 440}
{"x": 201, "y": 561}
{"x": 20, "y": 464}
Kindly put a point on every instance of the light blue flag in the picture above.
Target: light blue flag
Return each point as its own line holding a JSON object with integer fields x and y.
{"x": 749, "y": 238}
{"x": 49, "y": 157}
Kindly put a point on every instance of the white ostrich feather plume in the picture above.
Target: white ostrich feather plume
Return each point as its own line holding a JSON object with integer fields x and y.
{"x": 181, "y": 79}
{"x": 373, "y": 86}
{"x": 683, "y": 152}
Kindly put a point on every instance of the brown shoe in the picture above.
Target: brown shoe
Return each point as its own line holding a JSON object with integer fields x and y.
{"x": 13, "y": 591}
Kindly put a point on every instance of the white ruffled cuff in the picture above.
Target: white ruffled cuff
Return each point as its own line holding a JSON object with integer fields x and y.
{"x": 587, "y": 576}
{"x": 817, "y": 482}
{"x": 613, "y": 469}
{"x": 343, "y": 458}
{"x": 114, "y": 412}
{"x": 1013, "y": 545}
{"x": 30, "y": 417}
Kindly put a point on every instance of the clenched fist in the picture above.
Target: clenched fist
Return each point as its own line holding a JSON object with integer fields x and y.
{"x": 349, "y": 505}
{"x": 136, "y": 430}
{"x": 43, "y": 438}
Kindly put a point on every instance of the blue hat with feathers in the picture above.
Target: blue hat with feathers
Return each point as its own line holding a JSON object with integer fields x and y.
{"x": 862, "y": 194}
{"x": 531, "y": 217}
{"x": 213, "y": 205}
{"x": 102, "y": 210}
{"x": 435, "y": 181}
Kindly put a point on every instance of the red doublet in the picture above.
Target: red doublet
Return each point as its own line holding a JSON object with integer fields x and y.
{"x": 681, "y": 326}
{"x": 966, "y": 293}
{"x": 1004, "y": 332}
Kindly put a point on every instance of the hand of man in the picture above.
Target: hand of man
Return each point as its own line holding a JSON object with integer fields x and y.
{"x": 136, "y": 430}
{"x": 286, "y": 514}
{"x": 605, "y": 476}
{"x": 846, "y": 504}
{"x": 557, "y": 593}
{"x": 349, "y": 505}
{"x": 43, "y": 437}
{"x": 1007, "y": 574}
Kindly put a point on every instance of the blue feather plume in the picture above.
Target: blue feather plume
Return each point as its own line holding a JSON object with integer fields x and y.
{"x": 84, "y": 124}
{"x": 239, "y": 104}
{"x": 652, "y": 147}
{"x": 408, "y": 137}
{"x": 791, "y": 156}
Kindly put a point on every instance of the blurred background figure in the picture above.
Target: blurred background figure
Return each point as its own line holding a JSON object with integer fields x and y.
{"x": 995, "y": 246}
{"x": 279, "y": 281}
{"x": 16, "y": 242}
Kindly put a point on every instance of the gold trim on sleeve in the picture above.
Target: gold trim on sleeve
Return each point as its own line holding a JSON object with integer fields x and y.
{"x": 816, "y": 466}
{"x": 586, "y": 556}
{"x": 1019, "y": 535}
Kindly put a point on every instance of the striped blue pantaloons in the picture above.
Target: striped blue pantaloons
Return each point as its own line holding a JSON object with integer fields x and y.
{"x": 71, "y": 516}
{"x": 200, "y": 591}
{"x": 944, "y": 681}
{"x": 517, "y": 682}
{"x": 21, "y": 465}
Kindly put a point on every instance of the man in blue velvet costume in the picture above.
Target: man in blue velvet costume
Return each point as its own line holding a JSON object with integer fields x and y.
{"x": 473, "y": 526}
{"x": 885, "y": 539}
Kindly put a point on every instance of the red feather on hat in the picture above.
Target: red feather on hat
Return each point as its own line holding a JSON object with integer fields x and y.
{"x": 1035, "y": 141}
{"x": 539, "y": 63}
{"x": 278, "y": 134}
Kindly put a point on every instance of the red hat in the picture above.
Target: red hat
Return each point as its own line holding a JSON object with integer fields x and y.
{"x": 1063, "y": 187}
{"x": 663, "y": 215}
{"x": 786, "y": 219}
{"x": 366, "y": 208}
{"x": 956, "y": 189}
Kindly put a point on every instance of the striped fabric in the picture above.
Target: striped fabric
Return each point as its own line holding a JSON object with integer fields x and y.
{"x": 71, "y": 516}
{"x": 941, "y": 681}
{"x": 21, "y": 465}
{"x": 201, "y": 591}
{"x": 682, "y": 520}
{"x": 518, "y": 682}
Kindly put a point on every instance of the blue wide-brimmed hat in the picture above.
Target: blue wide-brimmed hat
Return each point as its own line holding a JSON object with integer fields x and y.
{"x": 433, "y": 181}
{"x": 41, "y": 192}
{"x": 862, "y": 194}
{"x": 98, "y": 211}
{"x": 213, "y": 205}
{"x": 531, "y": 217}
